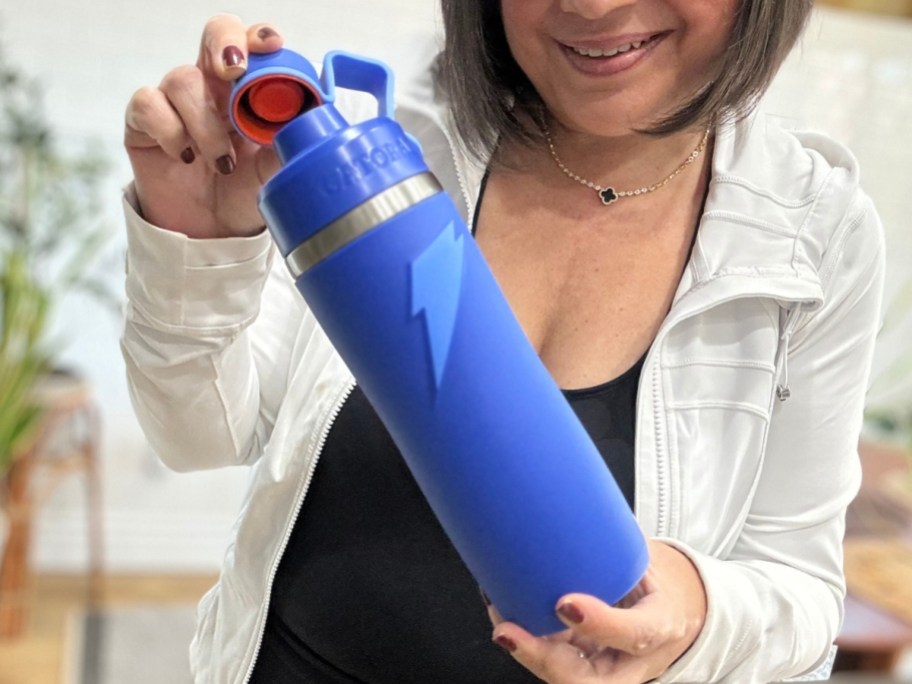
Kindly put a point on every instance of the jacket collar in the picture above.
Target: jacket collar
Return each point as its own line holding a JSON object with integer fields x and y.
{"x": 755, "y": 236}
{"x": 769, "y": 189}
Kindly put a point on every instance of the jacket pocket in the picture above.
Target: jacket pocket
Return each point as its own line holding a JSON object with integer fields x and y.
{"x": 719, "y": 374}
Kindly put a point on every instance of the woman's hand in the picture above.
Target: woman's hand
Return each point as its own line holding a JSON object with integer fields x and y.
{"x": 193, "y": 173}
{"x": 657, "y": 623}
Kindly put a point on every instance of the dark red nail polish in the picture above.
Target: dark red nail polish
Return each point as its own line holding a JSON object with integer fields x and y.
{"x": 187, "y": 155}
{"x": 266, "y": 33}
{"x": 506, "y": 643}
{"x": 232, "y": 56}
{"x": 225, "y": 165}
{"x": 570, "y": 612}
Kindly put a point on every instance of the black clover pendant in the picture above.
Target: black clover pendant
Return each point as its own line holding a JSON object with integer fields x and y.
{"x": 608, "y": 195}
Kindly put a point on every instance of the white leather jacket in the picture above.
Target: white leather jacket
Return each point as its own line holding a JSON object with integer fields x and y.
{"x": 781, "y": 296}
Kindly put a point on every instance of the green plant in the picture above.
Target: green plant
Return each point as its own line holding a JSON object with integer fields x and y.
{"x": 23, "y": 311}
{"x": 51, "y": 233}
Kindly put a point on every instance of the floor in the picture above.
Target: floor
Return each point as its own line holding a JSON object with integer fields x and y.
{"x": 38, "y": 656}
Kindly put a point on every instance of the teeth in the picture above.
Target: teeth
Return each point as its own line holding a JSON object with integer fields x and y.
{"x": 595, "y": 52}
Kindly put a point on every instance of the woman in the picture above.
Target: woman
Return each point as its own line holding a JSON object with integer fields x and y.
{"x": 704, "y": 286}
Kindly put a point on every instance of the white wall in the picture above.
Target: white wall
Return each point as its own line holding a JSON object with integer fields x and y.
{"x": 852, "y": 79}
{"x": 91, "y": 57}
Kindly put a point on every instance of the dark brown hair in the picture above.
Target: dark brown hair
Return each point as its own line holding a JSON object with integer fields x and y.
{"x": 487, "y": 88}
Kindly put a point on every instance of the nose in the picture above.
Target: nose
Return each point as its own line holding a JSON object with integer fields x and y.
{"x": 593, "y": 9}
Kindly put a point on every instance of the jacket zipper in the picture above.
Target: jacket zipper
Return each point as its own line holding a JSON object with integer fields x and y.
{"x": 470, "y": 206}
{"x": 660, "y": 451}
{"x": 663, "y": 490}
{"x": 301, "y": 493}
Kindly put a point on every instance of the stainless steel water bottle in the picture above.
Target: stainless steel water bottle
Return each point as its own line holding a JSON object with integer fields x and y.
{"x": 386, "y": 264}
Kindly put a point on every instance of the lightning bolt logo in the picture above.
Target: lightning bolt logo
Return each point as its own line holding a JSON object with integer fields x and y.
{"x": 436, "y": 284}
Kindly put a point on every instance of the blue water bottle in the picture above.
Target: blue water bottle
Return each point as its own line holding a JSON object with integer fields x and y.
{"x": 387, "y": 266}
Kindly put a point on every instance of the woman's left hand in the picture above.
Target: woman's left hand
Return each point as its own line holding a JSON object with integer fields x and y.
{"x": 629, "y": 644}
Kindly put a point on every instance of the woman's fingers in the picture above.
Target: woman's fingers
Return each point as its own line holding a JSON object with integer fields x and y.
{"x": 151, "y": 121}
{"x": 193, "y": 173}
{"x": 207, "y": 127}
{"x": 223, "y": 48}
{"x": 226, "y": 43}
{"x": 624, "y": 645}
{"x": 263, "y": 38}
{"x": 570, "y": 658}
{"x": 555, "y": 661}
{"x": 179, "y": 117}
{"x": 665, "y": 611}
{"x": 187, "y": 116}
{"x": 639, "y": 630}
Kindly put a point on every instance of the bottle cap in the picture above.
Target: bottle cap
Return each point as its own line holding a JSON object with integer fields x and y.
{"x": 277, "y": 100}
{"x": 329, "y": 166}
{"x": 277, "y": 88}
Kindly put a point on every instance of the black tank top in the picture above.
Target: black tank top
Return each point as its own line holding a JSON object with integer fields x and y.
{"x": 370, "y": 589}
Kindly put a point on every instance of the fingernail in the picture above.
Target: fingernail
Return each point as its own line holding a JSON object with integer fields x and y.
{"x": 187, "y": 155}
{"x": 232, "y": 56}
{"x": 225, "y": 165}
{"x": 506, "y": 643}
{"x": 266, "y": 33}
{"x": 484, "y": 597}
{"x": 570, "y": 612}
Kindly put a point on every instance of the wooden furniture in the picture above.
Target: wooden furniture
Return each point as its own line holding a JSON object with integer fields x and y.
{"x": 879, "y": 521}
{"x": 67, "y": 443}
{"x": 894, "y": 7}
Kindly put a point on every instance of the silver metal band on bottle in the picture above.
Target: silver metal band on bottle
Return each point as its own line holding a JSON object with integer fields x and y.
{"x": 360, "y": 220}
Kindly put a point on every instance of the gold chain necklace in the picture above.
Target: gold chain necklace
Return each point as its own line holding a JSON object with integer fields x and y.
{"x": 608, "y": 194}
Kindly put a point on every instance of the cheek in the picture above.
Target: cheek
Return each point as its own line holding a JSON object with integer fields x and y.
{"x": 708, "y": 35}
{"x": 717, "y": 12}
{"x": 515, "y": 30}
{"x": 523, "y": 21}
{"x": 715, "y": 24}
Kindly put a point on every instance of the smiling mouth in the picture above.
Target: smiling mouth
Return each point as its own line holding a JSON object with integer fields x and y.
{"x": 598, "y": 53}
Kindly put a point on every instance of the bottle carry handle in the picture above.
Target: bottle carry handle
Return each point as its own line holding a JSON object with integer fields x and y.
{"x": 280, "y": 86}
{"x": 353, "y": 72}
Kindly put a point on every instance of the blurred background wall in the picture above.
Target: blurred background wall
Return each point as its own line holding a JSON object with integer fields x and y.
{"x": 90, "y": 58}
{"x": 852, "y": 78}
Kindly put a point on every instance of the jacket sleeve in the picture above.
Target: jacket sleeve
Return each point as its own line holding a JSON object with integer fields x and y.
{"x": 206, "y": 342}
{"x": 775, "y": 604}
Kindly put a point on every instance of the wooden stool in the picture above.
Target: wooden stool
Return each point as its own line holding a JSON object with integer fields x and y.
{"x": 878, "y": 623}
{"x": 67, "y": 442}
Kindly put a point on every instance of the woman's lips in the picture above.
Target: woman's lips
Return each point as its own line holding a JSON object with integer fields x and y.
{"x": 594, "y": 60}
